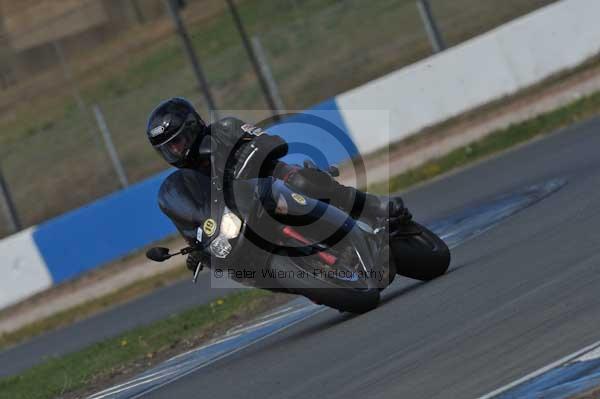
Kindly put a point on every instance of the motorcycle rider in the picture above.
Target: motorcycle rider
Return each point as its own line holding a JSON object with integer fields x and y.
{"x": 176, "y": 130}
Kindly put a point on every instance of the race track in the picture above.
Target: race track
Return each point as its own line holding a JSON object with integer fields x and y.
{"x": 518, "y": 297}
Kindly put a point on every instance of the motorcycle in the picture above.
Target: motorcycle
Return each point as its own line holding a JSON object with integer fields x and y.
{"x": 266, "y": 235}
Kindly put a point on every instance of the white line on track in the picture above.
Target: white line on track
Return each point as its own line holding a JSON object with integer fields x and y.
{"x": 580, "y": 355}
{"x": 172, "y": 373}
{"x": 228, "y": 354}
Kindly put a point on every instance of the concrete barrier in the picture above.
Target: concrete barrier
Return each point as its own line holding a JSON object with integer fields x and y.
{"x": 24, "y": 271}
{"x": 103, "y": 231}
{"x": 498, "y": 63}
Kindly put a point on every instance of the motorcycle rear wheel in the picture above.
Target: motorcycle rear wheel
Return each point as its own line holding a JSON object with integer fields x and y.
{"x": 423, "y": 256}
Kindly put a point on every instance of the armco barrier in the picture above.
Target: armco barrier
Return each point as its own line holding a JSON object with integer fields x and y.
{"x": 498, "y": 63}
{"x": 481, "y": 70}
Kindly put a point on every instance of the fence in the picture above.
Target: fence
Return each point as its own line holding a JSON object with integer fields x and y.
{"x": 51, "y": 152}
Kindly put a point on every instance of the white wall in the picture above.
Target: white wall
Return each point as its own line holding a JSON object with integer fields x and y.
{"x": 512, "y": 57}
{"x": 24, "y": 273}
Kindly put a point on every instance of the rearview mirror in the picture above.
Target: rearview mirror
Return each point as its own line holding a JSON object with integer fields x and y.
{"x": 334, "y": 171}
{"x": 158, "y": 254}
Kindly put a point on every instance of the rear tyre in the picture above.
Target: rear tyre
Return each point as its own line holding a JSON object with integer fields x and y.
{"x": 422, "y": 256}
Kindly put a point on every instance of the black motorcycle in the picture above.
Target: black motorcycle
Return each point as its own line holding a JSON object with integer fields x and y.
{"x": 262, "y": 233}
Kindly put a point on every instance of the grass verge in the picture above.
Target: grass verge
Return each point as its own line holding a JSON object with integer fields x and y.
{"x": 92, "y": 307}
{"x": 497, "y": 141}
{"x": 75, "y": 374}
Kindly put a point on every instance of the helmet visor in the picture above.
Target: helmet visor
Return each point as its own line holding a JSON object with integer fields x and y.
{"x": 177, "y": 147}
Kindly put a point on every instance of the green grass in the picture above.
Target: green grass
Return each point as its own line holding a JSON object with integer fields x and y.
{"x": 72, "y": 372}
{"x": 494, "y": 143}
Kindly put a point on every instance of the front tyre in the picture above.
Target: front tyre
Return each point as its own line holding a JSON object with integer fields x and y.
{"x": 358, "y": 296}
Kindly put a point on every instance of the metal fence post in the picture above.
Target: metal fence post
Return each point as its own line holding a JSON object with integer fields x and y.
{"x": 265, "y": 68}
{"x": 8, "y": 205}
{"x": 253, "y": 58}
{"x": 433, "y": 32}
{"x": 110, "y": 147}
{"x": 173, "y": 8}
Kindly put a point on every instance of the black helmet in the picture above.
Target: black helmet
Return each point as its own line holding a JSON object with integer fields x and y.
{"x": 175, "y": 130}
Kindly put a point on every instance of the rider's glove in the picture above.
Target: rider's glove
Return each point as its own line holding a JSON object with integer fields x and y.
{"x": 194, "y": 260}
{"x": 257, "y": 152}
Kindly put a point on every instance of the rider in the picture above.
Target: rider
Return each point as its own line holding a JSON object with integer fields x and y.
{"x": 178, "y": 133}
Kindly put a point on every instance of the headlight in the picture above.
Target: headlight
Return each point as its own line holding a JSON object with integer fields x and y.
{"x": 230, "y": 229}
{"x": 230, "y": 225}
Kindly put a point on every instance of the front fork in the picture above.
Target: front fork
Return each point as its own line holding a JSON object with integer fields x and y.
{"x": 383, "y": 253}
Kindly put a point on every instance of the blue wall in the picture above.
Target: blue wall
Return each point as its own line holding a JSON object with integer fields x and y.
{"x": 319, "y": 133}
{"x": 104, "y": 230}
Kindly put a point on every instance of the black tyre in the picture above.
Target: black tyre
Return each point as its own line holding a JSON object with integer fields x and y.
{"x": 421, "y": 256}
{"x": 358, "y": 296}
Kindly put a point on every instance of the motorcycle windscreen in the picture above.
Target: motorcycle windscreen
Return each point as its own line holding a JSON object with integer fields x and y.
{"x": 185, "y": 197}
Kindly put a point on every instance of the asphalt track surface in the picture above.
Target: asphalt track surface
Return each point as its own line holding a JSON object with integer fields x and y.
{"x": 517, "y": 298}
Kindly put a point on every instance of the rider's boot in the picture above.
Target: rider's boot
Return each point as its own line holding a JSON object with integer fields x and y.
{"x": 367, "y": 206}
{"x": 360, "y": 205}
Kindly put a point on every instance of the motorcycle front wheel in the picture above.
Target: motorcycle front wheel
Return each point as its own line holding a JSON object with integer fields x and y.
{"x": 346, "y": 291}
